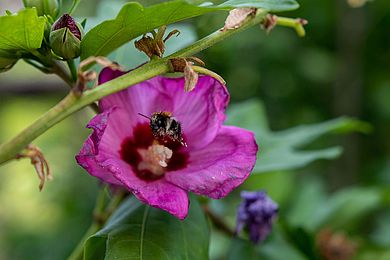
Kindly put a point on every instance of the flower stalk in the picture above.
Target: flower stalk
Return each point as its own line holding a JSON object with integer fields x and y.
{"x": 218, "y": 222}
{"x": 72, "y": 69}
{"x": 71, "y": 103}
{"x": 101, "y": 213}
{"x": 48, "y": 65}
{"x": 205, "y": 71}
{"x": 297, "y": 24}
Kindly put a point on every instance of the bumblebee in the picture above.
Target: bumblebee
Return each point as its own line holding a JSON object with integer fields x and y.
{"x": 165, "y": 127}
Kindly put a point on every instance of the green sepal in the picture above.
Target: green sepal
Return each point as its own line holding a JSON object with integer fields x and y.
{"x": 65, "y": 44}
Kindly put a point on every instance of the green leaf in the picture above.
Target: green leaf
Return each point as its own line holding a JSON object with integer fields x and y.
{"x": 134, "y": 20}
{"x": 241, "y": 249}
{"x": 302, "y": 240}
{"x": 313, "y": 209}
{"x": 373, "y": 253}
{"x": 280, "y": 150}
{"x": 270, "y": 5}
{"x": 381, "y": 232}
{"x": 307, "y": 199}
{"x": 275, "y": 247}
{"x": 345, "y": 208}
{"x": 22, "y": 31}
{"x": 141, "y": 232}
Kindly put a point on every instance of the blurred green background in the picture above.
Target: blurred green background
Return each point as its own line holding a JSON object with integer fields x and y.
{"x": 342, "y": 67}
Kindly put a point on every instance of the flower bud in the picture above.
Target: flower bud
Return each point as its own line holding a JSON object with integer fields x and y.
{"x": 257, "y": 213}
{"x": 44, "y": 7}
{"x": 65, "y": 37}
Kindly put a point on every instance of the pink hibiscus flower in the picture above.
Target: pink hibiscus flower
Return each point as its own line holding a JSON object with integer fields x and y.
{"x": 123, "y": 151}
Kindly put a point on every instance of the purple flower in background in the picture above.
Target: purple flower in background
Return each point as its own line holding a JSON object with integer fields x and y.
{"x": 122, "y": 149}
{"x": 256, "y": 212}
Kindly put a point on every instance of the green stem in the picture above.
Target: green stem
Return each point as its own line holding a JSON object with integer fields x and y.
{"x": 37, "y": 65}
{"x": 297, "y": 24}
{"x": 60, "y": 70}
{"x": 205, "y": 71}
{"x": 72, "y": 68}
{"x": 218, "y": 222}
{"x": 114, "y": 203}
{"x": 54, "y": 66}
{"x": 71, "y": 103}
{"x": 74, "y": 6}
{"x": 77, "y": 253}
{"x": 54, "y": 115}
{"x": 71, "y": 81}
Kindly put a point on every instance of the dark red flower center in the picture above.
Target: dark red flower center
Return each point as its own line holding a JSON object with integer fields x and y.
{"x": 132, "y": 152}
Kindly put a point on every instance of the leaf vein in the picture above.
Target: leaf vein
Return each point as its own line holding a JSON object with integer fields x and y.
{"x": 144, "y": 218}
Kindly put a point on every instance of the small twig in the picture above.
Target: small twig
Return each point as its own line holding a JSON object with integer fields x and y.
{"x": 218, "y": 222}
{"x": 101, "y": 213}
{"x": 114, "y": 203}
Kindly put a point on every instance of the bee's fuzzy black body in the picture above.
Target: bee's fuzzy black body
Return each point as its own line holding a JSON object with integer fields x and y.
{"x": 164, "y": 127}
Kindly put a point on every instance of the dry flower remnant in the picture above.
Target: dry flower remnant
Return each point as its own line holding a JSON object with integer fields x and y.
{"x": 39, "y": 161}
{"x": 190, "y": 70}
{"x": 122, "y": 149}
{"x": 269, "y": 22}
{"x": 154, "y": 46}
{"x": 237, "y": 17}
{"x": 335, "y": 245}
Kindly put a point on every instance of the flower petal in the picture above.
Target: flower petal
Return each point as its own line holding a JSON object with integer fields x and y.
{"x": 110, "y": 128}
{"x": 100, "y": 157}
{"x": 200, "y": 112}
{"x": 87, "y": 155}
{"x": 158, "y": 193}
{"x": 145, "y": 97}
{"x": 108, "y": 74}
{"x": 221, "y": 166}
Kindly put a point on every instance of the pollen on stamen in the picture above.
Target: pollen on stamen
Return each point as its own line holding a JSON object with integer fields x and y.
{"x": 155, "y": 158}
